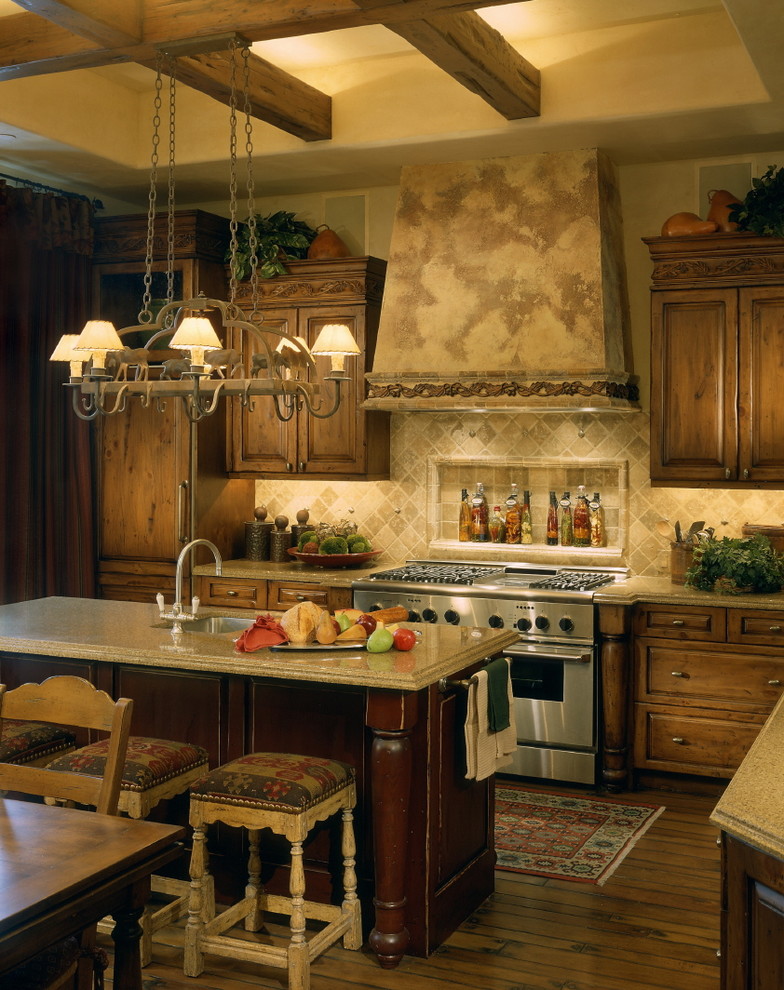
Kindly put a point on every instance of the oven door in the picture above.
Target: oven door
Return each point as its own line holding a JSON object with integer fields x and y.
{"x": 554, "y": 694}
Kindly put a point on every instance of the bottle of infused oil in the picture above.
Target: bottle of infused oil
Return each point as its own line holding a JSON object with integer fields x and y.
{"x": 479, "y": 515}
{"x": 464, "y": 519}
{"x": 552, "y": 522}
{"x": 581, "y": 523}
{"x": 598, "y": 532}
{"x": 496, "y": 526}
{"x": 526, "y": 529}
{"x": 513, "y": 518}
{"x": 567, "y": 531}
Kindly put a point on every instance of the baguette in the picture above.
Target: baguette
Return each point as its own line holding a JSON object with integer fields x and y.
{"x": 396, "y": 613}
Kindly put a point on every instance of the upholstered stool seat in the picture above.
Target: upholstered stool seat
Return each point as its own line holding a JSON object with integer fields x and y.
{"x": 288, "y": 794}
{"x": 155, "y": 770}
{"x": 33, "y": 743}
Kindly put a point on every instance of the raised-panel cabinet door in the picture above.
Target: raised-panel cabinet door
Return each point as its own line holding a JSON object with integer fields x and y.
{"x": 760, "y": 397}
{"x": 694, "y": 355}
{"x": 261, "y": 441}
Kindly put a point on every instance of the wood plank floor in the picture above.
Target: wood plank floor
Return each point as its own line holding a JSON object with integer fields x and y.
{"x": 654, "y": 924}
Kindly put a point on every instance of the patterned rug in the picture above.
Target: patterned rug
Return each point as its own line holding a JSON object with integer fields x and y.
{"x": 564, "y": 837}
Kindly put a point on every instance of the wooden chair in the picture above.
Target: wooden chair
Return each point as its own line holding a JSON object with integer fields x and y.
{"x": 70, "y": 701}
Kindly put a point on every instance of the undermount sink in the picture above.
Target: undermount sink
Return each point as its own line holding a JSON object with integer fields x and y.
{"x": 216, "y": 624}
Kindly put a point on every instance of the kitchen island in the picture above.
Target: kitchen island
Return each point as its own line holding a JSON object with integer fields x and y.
{"x": 425, "y": 834}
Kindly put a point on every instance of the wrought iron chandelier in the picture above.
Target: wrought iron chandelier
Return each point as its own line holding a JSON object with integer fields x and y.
{"x": 280, "y": 366}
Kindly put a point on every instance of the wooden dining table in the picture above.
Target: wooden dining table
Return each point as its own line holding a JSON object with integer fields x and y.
{"x": 63, "y": 869}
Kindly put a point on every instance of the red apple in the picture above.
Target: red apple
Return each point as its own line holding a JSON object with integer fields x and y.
{"x": 367, "y": 621}
{"x": 404, "y": 639}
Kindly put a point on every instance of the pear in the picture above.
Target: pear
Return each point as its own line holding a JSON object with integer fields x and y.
{"x": 325, "y": 630}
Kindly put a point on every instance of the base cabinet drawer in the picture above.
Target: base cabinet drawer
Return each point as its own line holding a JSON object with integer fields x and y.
{"x": 232, "y": 592}
{"x": 681, "y": 622}
{"x": 699, "y": 742}
{"x": 756, "y": 627}
{"x": 284, "y": 594}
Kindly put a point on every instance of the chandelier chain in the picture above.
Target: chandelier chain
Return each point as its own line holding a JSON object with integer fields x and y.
{"x": 252, "y": 238}
{"x": 233, "y": 244}
{"x": 172, "y": 70}
{"x": 145, "y": 314}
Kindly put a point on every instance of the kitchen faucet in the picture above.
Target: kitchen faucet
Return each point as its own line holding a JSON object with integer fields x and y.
{"x": 178, "y": 615}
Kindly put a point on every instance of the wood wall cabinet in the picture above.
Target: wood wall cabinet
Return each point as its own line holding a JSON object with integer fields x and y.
{"x": 706, "y": 680}
{"x": 717, "y": 357}
{"x": 353, "y": 443}
{"x": 162, "y": 482}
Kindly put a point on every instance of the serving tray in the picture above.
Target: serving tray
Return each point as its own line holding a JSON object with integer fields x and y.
{"x": 359, "y": 645}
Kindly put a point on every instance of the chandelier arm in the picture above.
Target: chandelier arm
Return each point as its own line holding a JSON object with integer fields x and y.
{"x": 288, "y": 409}
{"x": 315, "y": 407}
{"x": 195, "y": 406}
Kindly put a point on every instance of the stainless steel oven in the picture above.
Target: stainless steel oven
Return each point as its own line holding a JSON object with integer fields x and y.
{"x": 553, "y": 664}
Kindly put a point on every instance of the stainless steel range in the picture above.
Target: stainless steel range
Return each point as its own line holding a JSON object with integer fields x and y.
{"x": 553, "y": 666}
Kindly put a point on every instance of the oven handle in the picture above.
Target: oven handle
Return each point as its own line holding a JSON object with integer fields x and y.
{"x": 586, "y": 657}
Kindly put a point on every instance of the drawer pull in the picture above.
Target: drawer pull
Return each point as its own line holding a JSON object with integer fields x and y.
{"x": 775, "y": 628}
{"x": 301, "y": 598}
{"x": 232, "y": 594}
{"x": 678, "y": 622}
{"x": 679, "y": 740}
{"x": 678, "y": 673}
{"x": 774, "y": 683}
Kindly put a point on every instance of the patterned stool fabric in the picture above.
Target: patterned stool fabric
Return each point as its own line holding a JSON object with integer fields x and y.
{"x": 148, "y": 762}
{"x": 280, "y": 782}
{"x": 43, "y": 968}
{"x": 25, "y": 742}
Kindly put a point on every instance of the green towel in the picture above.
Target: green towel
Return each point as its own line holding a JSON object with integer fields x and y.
{"x": 497, "y": 695}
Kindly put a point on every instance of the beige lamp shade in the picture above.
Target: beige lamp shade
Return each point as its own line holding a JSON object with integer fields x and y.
{"x": 98, "y": 337}
{"x": 336, "y": 340}
{"x": 197, "y": 335}
{"x": 64, "y": 351}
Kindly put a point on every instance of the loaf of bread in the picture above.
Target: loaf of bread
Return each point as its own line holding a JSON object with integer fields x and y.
{"x": 300, "y": 623}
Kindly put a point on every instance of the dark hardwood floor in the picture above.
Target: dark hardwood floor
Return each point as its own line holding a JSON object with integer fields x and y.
{"x": 653, "y": 926}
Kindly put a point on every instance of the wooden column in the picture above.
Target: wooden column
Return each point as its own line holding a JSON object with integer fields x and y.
{"x": 615, "y": 659}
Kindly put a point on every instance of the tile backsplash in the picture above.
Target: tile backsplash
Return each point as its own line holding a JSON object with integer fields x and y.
{"x": 435, "y": 455}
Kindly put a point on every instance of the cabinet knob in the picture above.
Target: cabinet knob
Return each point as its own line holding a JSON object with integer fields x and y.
{"x": 289, "y": 466}
{"x": 727, "y": 473}
{"x": 302, "y": 465}
{"x": 678, "y": 622}
{"x": 745, "y": 474}
{"x": 775, "y": 682}
{"x": 775, "y": 628}
{"x": 678, "y": 673}
{"x": 679, "y": 740}
{"x": 232, "y": 594}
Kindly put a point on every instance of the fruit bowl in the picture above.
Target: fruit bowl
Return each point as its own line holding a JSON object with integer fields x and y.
{"x": 334, "y": 559}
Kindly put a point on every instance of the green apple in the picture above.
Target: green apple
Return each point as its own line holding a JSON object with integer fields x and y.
{"x": 380, "y": 640}
{"x": 344, "y": 621}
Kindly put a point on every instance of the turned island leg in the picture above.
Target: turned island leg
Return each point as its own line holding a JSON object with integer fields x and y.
{"x": 615, "y": 659}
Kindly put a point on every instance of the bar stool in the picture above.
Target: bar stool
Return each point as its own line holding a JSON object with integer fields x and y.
{"x": 154, "y": 770}
{"x": 289, "y": 795}
{"x": 33, "y": 743}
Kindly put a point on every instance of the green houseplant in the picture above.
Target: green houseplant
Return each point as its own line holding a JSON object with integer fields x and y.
{"x": 279, "y": 236}
{"x": 762, "y": 209}
{"x": 733, "y": 566}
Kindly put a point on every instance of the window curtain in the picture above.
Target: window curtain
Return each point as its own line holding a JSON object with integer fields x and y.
{"x": 47, "y": 519}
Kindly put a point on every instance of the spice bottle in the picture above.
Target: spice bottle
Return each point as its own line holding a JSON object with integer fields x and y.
{"x": 582, "y": 519}
{"x": 514, "y": 516}
{"x": 464, "y": 519}
{"x": 567, "y": 532}
{"x": 552, "y": 521}
{"x": 496, "y": 527}
{"x": 598, "y": 532}
{"x": 526, "y": 529}
{"x": 479, "y": 515}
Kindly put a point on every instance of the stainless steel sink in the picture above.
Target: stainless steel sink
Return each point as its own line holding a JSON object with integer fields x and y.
{"x": 217, "y": 624}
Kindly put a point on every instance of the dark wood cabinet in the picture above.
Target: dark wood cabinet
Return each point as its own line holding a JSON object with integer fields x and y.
{"x": 162, "y": 480}
{"x": 353, "y": 443}
{"x": 717, "y": 339}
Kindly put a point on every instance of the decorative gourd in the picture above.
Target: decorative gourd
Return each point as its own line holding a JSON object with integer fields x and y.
{"x": 327, "y": 244}
{"x": 687, "y": 225}
{"x": 721, "y": 202}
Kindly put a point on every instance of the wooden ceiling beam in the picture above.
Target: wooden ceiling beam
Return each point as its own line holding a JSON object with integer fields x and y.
{"x": 108, "y": 23}
{"x": 479, "y": 58}
{"x": 275, "y": 96}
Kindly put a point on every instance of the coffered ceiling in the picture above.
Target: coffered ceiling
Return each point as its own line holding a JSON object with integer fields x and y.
{"x": 344, "y": 92}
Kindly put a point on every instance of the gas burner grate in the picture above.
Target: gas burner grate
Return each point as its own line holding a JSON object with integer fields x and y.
{"x": 573, "y": 581}
{"x": 433, "y": 573}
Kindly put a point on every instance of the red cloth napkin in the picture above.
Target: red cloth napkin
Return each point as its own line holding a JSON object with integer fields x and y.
{"x": 265, "y": 631}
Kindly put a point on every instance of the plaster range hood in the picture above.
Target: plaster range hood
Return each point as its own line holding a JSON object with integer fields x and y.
{"x": 506, "y": 289}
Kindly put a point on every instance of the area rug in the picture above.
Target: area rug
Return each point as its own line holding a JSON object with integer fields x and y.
{"x": 565, "y": 837}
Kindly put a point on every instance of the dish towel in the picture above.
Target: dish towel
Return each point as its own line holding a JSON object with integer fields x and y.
{"x": 487, "y": 751}
{"x": 265, "y": 631}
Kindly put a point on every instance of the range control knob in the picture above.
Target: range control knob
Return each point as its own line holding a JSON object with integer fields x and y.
{"x": 495, "y": 622}
{"x": 452, "y": 617}
{"x": 414, "y": 616}
{"x": 428, "y": 615}
{"x": 523, "y": 625}
{"x": 566, "y": 624}
{"x": 376, "y": 608}
{"x": 542, "y": 622}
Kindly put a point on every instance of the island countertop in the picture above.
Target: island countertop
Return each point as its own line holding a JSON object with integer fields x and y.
{"x": 133, "y": 633}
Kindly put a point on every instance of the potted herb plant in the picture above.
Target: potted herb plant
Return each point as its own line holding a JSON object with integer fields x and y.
{"x": 762, "y": 209}
{"x": 736, "y": 566}
{"x": 278, "y": 236}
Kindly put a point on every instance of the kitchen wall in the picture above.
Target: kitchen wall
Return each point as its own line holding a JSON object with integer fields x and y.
{"x": 435, "y": 454}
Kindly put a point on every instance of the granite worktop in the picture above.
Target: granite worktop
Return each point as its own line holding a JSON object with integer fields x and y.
{"x": 628, "y": 591}
{"x": 267, "y": 570}
{"x": 133, "y": 633}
